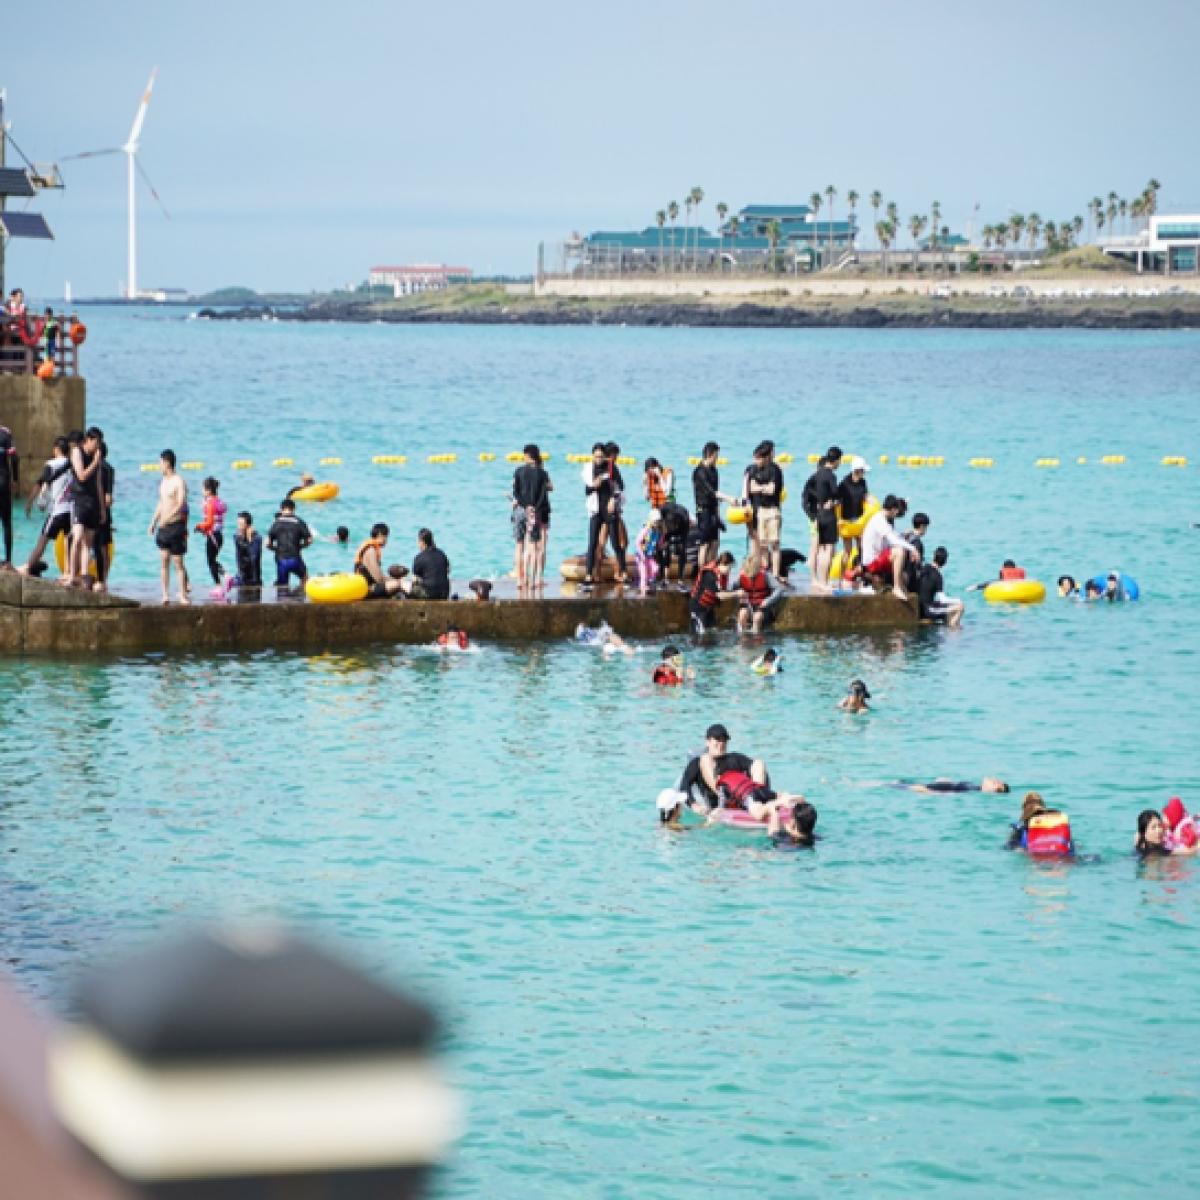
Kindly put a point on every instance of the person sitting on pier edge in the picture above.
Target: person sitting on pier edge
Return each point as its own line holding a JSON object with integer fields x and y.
{"x": 430, "y": 570}
{"x": 288, "y": 537}
{"x": 368, "y": 562}
{"x": 934, "y": 604}
{"x": 884, "y": 551}
{"x": 710, "y": 588}
{"x": 673, "y": 547}
{"x": 247, "y": 549}
{"x": 51, "y": 492}
{"x": 760, "y": 592}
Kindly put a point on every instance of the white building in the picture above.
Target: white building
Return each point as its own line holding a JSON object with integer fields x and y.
{"x": 1169, "y": 245}
{"x": 419, "y": 277}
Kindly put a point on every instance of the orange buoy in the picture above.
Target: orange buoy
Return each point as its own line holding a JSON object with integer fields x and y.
{"x": 78, "y": 333}
{"x": 46, "y": 370}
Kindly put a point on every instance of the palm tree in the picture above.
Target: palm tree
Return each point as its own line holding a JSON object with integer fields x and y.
{"x": 697, "y": 194}
{"x": 1016, "y": 227}
{"x": 1123, "y": 212}
{"x": 773, "y": 231}
{"x": 660, "y": 219}
{"x": 1111, "y": 212}
{"x": 1094, "y": 207}
{"x": 673, "y": 214}
{"x": 1033, "y": 227}
{"x": 885, "y": 231}
{"x": 987, "y": 233}
{"x": 1000, "y": 233}
{"x": 830, "y": 193}
{"x": 1137, "y": 209}
{"x": 1076, "y": 224}
{"x": 722, "y": 209}
{"x": 687, "y": 226}
{"x": 1099, "y": 222}
{"x": 851, "y": 200}
{"x": 893, "y": 216}
{"x": 915, "y": 224}
{"x": 876, "y": 200}
{"x": 734, "y": 226}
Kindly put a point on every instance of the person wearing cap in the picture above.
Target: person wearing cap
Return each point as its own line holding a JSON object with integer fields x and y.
{"x": 884, "y": 551}
{"x": 855, "y": 699}
{"x": 852, "y": 497}
{"x": 762, "y": 488}
{"x": 718, "y": 759}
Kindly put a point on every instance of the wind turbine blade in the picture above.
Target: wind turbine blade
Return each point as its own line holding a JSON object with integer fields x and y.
{"x": 91, "y": 153}
{"x": 158, "y": 199}
{"x": 140, "y": 117}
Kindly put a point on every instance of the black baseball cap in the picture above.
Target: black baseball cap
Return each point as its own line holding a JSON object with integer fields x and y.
{"x": 718, "y": 733}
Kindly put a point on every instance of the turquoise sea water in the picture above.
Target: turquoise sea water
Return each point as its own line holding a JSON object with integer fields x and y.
{"x": 908, "y": 1010}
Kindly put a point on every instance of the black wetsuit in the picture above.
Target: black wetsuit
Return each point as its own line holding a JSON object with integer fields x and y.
{"x": 606, "y": 485}
{"x": 431, "y": 568}
{"x": 248, "y": 553}
{"x": 673, "y": 544}
{"x": 705, "y": 482}
{"x": 104, "y": 534}
{"x": 824, "y": 490}
{"x": 852, "y": 495}
{"x": 9, "y": 472}
{"x": 929, "y": 585}
{"x": 694, "y": 779}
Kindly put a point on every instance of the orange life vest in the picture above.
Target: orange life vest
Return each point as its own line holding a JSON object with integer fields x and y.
{"x": 706, "y": 597}
{"x": 1012, "y": 572}
{"x": 360, "y": 553}
{"x": 756, "y": 588}
{"x": 738, "y": 786}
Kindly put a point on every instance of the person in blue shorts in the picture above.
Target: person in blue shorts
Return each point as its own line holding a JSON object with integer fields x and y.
{"x": 288, "y": 537}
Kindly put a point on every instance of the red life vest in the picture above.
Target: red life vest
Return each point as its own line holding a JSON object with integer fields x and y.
{"x": 1012, "y": 572}
{"x": 1049, "y": 835}
{"x": 666, "y": 676}
{"x": 756, "y": 588}
{"x": 738, "y": 786}
{"x": 706, "y": 597}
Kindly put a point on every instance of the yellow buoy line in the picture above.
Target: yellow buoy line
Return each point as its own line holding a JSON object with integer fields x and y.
{"x": 907, "y": 461}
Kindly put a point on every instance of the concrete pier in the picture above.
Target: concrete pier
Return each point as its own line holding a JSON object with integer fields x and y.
{"x": 40, "y": 617}
{"x": 39, "y": 410}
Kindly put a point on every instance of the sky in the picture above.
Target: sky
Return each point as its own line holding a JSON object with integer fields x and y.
{"x": 296, "y": 145}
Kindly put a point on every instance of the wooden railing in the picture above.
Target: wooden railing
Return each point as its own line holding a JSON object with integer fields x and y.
{"x": 16, "y": 358}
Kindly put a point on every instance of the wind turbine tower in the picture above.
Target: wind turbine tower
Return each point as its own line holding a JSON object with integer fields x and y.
{"x": 133, "y": 167}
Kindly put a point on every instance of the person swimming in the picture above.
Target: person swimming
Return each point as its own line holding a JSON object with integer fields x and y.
{"x": 1152, "y": 839}
{"x": 1068, "y": 589}
{"x": 770, "y": 662}
{"x": 453, "y": 639}
{"x": 792, "y": 828}
{"x": 603, "y": 637}
{"x": 855, "y": 699}
{"x": 1042, "y": 832}
{"x": 989, "y": 785}
{"x": 671, "y": 669}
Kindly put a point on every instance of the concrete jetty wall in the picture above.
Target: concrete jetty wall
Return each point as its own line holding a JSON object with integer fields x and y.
{"x": 38, "y": 617}
{"x": 38, "y": 410}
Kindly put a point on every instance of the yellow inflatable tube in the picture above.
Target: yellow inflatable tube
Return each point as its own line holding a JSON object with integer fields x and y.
{"x": 1015, "y": 591}
{"x": 60, "y": 554}
{"x": 317, "y": 491}
{"x": 854, "y": 529}
{"x": 342, "y": 588}
{"x": 736, "y": 515}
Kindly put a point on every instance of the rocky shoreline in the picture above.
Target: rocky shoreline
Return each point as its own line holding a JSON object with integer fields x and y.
{"x": 1173, "y": 312}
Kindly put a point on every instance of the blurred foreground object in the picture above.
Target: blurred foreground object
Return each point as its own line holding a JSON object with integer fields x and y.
{"x": 250, "y": 1063}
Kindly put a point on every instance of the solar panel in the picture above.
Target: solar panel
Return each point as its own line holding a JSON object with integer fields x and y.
{"x": 14, "y": 182}
{"x": 25, "y": 225}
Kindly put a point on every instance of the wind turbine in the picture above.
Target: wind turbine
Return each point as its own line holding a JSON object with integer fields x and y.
{"x": 132, "y": 165}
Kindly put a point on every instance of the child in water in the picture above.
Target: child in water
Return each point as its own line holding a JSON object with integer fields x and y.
{"x": 671, "y": 670}
{"x": 855, "y": 700}
{"x": 603, "y": 637}
{"x": 768, "y": 663}
{"x": 791, "y": 827}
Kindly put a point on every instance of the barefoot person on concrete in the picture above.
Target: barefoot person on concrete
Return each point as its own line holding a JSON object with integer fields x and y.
{"x": 169, "y": 527}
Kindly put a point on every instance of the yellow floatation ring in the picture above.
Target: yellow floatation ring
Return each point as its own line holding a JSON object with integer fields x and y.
{"x": 317, "y": 491}
{"x": 342, "y": 588}
{"x": 854, "y": 529}
{"x": 1015, "y": 591}
{"x": 735, "y": 514}
{"x": 60, "y": 554}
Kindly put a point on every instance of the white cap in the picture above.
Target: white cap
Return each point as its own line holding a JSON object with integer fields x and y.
{"x": 858, "y": 464}
{"x": 668, "y": 798}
